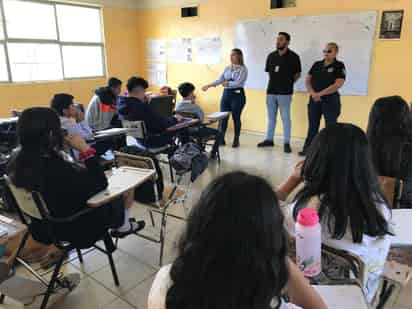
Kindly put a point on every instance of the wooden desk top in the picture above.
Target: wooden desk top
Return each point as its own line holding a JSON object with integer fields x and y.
{"x": 342, "y": 296}
{"x": 218, "y": 116}
{"x": 111, "y": 132}
{"x": 121, "y": 180}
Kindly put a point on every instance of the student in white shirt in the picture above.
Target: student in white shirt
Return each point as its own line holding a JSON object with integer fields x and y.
{"x": 340, "y": 182}
{"x": 72, "y": 120}
{"x": 233, "y": 254}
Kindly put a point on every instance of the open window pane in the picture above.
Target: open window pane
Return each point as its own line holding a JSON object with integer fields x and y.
{"x": 79, "y": 24}
{"x": 4, "y": 77}
{"x": 34, "y": 62}
{"x": 82, "y": 61}
{"x": 29, "y": 20}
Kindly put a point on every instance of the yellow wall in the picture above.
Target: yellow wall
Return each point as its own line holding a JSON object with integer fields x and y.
{"x": 122, "y": 61}
{"x": 391, "y": 67}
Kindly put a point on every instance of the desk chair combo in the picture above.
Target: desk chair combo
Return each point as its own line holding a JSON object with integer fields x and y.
{"x": 138, "y": 136}
{"x": 206, "y": 141}
{"x": 31, "y": 205}
{"x": 177, "y": 194}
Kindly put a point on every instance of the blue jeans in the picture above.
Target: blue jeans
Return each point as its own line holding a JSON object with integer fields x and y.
{"x": 273, "y": 103}
{"x": 329, "y": 107}
{"x": 233, "y": 100}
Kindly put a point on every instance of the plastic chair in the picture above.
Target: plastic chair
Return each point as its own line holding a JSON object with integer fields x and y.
{"x": 30, "y": 205}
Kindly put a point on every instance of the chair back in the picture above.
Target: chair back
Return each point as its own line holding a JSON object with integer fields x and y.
{"x": 392, "y": 189}
{"x": 28, "y": 203}
{"x": 137, "y": 129}
{"x": 125, "y": 159}
{"x": 188, "y": 115}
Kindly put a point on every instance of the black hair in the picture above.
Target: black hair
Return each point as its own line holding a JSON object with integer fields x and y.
{"x": 135, "y": 82}
{"x": 233, "y": 251}
{"x": 114, "y": 82}
{"x": 186, "y": 89}
{"x": 389, "y": 132}
{"x": 40, "y": 137}
{"x": 60, "y": 102}
{"x": 338, "y": 169}
{"x": 286, "y": 35}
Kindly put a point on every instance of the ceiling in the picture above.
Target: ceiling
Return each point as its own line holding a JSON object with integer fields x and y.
{"x": 141, "y": 4}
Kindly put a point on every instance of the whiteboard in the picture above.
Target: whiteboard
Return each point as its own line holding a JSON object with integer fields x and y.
{"x": 354, "y": 33}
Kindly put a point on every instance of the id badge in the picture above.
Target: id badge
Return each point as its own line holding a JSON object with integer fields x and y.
{"x": 237, "y": 91}
{"x": 277, "y": 68}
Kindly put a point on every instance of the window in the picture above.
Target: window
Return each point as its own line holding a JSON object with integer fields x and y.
{"x": 42, "y": 41}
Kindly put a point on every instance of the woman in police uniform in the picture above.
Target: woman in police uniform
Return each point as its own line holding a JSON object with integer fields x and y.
{"x": 324, "y": 80}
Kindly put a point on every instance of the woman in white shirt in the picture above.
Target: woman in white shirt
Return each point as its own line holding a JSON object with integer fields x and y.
{"x": 340, "y": 182}
{"x": 233, "y": 254}
{"x": 233, "y": 79}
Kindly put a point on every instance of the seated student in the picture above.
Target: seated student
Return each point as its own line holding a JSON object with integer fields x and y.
{"x": 233, "y": 254}
{"x": 340, "y": 182}
{"x": 72, "y": 120}
{"x": 39, "y": 164}
{"x": 390, "y": 137}
{"x": 101, "y": 113}
{"x": 189, "y": 106}
{"x": 134, "y": 107}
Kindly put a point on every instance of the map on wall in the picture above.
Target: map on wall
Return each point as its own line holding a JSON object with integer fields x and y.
{"x": 180, "y": 50}
{"x": 207, "y": 50}
{"x": 353, "y": 32}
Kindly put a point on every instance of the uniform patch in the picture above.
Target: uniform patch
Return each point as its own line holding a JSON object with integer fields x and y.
{"x": 277, "y": 68}
{"x": 330, "y": 70}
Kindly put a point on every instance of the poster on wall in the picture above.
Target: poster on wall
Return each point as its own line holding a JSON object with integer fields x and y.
{"x": 156, "y": 50}
{"x": 207, "y": 50}
{"x": 391, "y": 25}
{"x": 180, "y": 50}
{"x": 157, "y": 74}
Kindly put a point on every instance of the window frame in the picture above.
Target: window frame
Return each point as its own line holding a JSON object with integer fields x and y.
{"x": 57, "y": 41}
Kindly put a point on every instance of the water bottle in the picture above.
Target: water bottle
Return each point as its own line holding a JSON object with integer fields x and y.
{"x": 308, "y": 243}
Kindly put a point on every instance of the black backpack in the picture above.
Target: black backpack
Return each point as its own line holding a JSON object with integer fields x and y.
{"x": 145, "y": 192}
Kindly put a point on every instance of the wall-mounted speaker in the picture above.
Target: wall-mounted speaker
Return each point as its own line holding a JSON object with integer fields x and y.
{"x": 189, "y": 11}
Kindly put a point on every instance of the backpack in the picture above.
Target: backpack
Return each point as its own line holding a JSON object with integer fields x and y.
{"x": 145, "y": 192}
{"x": 189, "y": 157}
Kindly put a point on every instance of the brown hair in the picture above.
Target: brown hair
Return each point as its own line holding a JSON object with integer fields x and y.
{"x": 334, "y": 45}
{"x": 239, "y": 53}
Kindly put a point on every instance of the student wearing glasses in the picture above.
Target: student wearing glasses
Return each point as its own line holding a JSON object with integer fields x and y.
{"x": 324, "y": 80}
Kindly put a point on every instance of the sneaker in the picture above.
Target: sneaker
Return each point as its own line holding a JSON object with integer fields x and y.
{"x": 286, "y": 148}
{"x": 266, "y": 143}
{"x": 135, "y": 226}
{"x": 302, "y": 153}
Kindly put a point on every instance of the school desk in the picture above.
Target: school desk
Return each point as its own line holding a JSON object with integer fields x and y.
{"x": 342, "y": 296}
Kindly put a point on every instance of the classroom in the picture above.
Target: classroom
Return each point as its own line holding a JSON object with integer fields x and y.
{"x": 161, "y": 154}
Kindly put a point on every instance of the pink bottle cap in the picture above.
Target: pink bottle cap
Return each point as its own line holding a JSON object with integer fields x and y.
{"x": 308, "y": 217}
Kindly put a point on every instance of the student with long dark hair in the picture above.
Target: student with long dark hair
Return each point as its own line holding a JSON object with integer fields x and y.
{"x": 233, "y": 254}
{"x": 340, "y": 182}
{"x": 390, "y": 137}
{"x": 233, "y": 100}
{"x": 39, "y": 164}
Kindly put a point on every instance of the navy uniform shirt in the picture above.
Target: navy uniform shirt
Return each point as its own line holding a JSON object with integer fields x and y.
{"x": 282, "y": 71}
{"x": 324, "y": 76}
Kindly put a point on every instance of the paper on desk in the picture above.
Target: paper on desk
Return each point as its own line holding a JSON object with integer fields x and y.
{"x": 218, "y": 115}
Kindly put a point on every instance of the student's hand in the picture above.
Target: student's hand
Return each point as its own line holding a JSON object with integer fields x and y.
{"x": 79, "y": 116}
{"x": 179, "y": 117}
{"x": 205, "y": 88}
{"x": 297, "y": 174}
{"x": 316, "y": 96}
{"x": 76, "y": 142}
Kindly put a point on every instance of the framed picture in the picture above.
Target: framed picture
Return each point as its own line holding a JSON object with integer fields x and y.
{"x": 391, "y": 25}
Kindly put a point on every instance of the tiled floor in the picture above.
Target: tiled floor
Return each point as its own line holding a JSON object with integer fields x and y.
{"x": 137, "y": 259}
